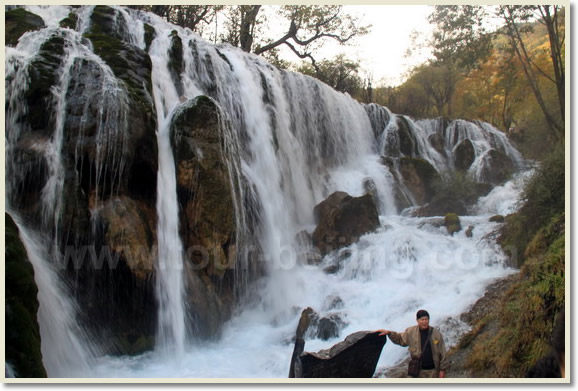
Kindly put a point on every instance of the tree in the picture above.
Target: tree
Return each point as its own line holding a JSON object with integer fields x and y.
{"x": 340, "y": 73}
{"x": 459, "y": 35}
{"x": 460, "y": 43}
{"x": 551, "y": 16}
{"x": 243, "y": 26}
{"x": 306, "y": 28}
{"x": 439, "y": 82}
{"x": 194, "y": 17}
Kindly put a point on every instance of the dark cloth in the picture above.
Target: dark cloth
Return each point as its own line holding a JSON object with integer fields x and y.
{"x": 427, "y": 361}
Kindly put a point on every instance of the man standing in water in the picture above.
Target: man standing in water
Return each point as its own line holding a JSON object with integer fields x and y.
{"x": 425, "y": 343}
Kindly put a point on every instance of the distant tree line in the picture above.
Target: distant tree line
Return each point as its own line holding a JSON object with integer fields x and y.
{"x": 512, "y": 76}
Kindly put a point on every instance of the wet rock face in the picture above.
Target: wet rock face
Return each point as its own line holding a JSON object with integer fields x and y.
{"x": 419, "y": 176}
{"x": 108, "y": 167}
{"x": 355, "y": 357}
{"x": 203, "y": 183}
{"x": 207, "y": 211}
{"x": 499, "y": 168}
{"x": 342, "y": 219}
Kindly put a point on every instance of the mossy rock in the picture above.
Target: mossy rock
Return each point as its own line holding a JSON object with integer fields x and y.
{"x": 70, "y": 21}
{"x": 43, "y": 74}
{"x": 176, "y": 63}
{"x": 452, "y": 223}
{"x": 497, "y": 219}
{"x": 407, "y": 141}
{"x": 128, "y": 62}
{"x": 203, "y": 181}
{"x": 133, "y": 67}
{"x": 22, "y": 330}
{"x": 150, "y": 34}
{"x": 19, "y": 21}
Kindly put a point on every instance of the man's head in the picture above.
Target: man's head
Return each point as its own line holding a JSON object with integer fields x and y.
{"x": 422, "y": 317}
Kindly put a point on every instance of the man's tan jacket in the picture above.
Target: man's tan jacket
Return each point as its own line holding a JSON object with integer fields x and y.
{"x": 411, "y": 337}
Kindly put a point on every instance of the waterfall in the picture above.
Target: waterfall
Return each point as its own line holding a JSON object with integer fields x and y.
{"x": 66, "y": 349}
{"x": 170, "y": 288}
{"x": 287, "y": 140}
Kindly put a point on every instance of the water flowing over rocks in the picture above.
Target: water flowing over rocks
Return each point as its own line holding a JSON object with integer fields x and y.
{"x": 18, "y": 21}
{"x": 22, "y": 330}
{"x": 90, "y": 99}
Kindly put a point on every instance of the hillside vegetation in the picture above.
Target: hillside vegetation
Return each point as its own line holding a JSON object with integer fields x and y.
{"x": 509, "y": 339}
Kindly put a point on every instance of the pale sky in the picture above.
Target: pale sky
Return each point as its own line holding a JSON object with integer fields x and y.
{"x": 382, "y": 51}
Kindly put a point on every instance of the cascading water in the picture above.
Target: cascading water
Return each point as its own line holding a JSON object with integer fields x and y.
{"x": 65, "y": 347}
{"x": 290, "y": 141}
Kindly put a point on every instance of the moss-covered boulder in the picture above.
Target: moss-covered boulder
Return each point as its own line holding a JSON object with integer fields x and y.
{"x": 203, "y": 182}
{"x": 43, "y": 76}
{"x": 497, "y": 219}
{"x": 150, "y": 34}
{"x": 70, "y": 21}
{"x": 452, "y": 223}
{"x": 22, "y": 331}
{"x": 18, "y": 21}
{"x": 133, "y": 67}
{"x": 342, "y": 219}
{"x": 464, "y": 155}
{"x": 419, "y": 176}
{"x": 207, "y": 211}
{"x": 128, "y": 62}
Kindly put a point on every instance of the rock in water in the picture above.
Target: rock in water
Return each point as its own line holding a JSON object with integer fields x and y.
{"x": 342, "y": 219}
{"x": 355, "y": 357}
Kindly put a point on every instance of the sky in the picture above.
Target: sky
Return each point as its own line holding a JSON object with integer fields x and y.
{"x": 381, "y": 53}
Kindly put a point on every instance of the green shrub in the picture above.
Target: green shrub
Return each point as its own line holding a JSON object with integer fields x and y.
{"x": 526, "y": 317}
{"x": 543, "y": 198}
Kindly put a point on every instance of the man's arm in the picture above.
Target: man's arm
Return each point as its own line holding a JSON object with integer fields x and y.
{"x": 396, "y": 338}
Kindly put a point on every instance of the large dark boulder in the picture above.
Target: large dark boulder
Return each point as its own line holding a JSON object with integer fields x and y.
{"x": 342, "y": 219}
{"x": 355, "y": 357}
{"x": 18, "y": 21}
{"x": 464, "y": 155}
{"x": 203, "y": 182}
{"x": 207, "y": 211}
{"x": 133, "y": 67}
{"x": 22, "y": 331}
{"x": 419, "y": 176}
